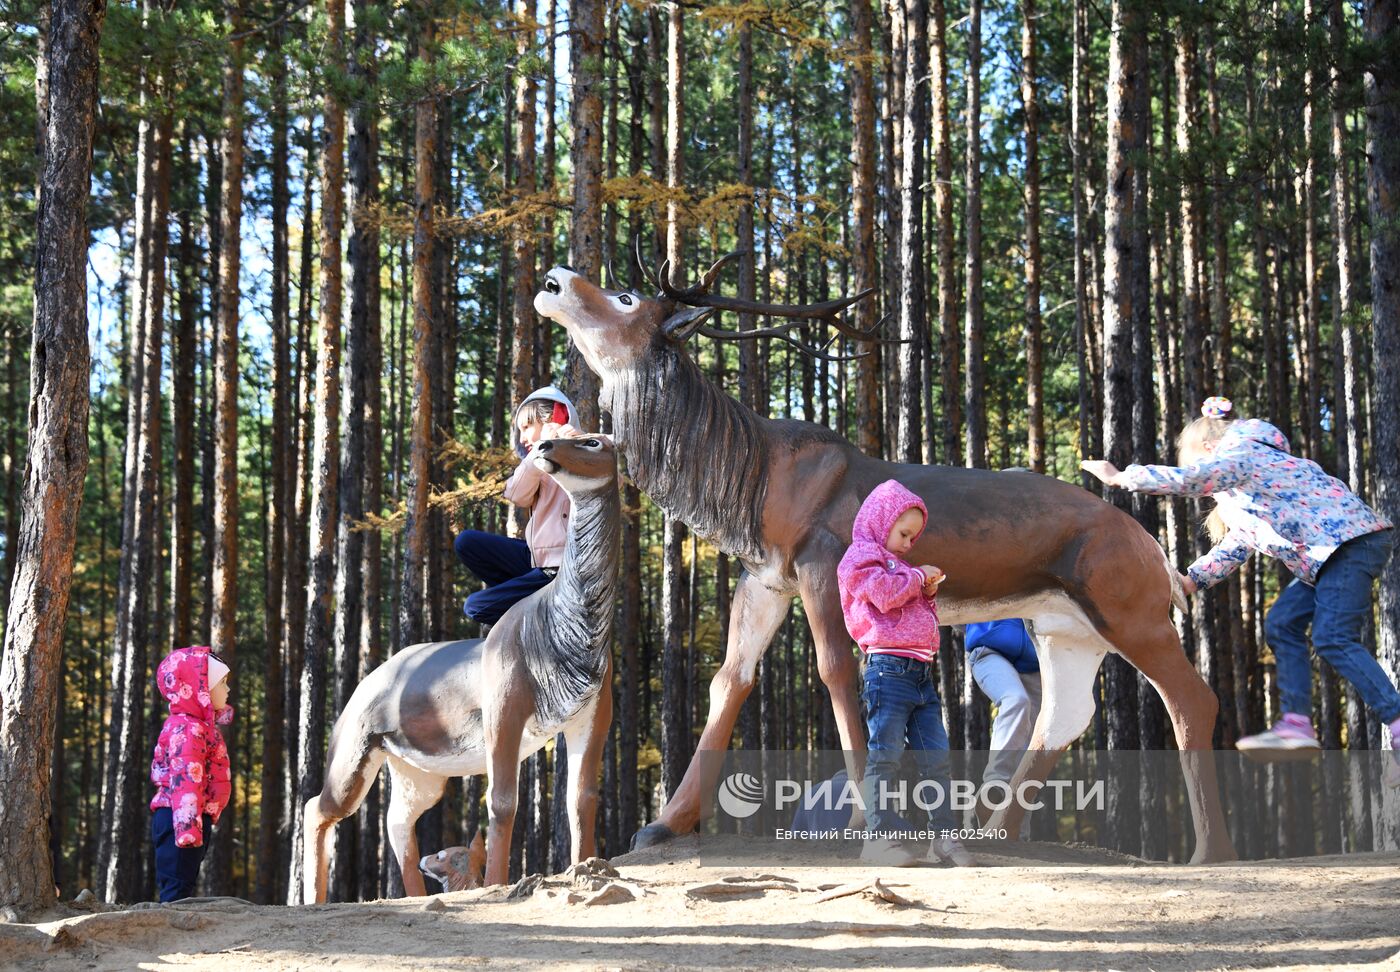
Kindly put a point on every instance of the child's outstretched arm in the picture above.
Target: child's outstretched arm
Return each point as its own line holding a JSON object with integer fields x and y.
{"x": 1200, "y": 479}
{"x": 868, "y": 576}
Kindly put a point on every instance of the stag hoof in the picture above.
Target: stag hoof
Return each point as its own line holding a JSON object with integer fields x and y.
{"x": 651, "y": 835}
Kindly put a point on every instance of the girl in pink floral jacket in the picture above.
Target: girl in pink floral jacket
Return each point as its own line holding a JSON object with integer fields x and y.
{"x": 190, "y": 767}
{"x": 1286, "y": 507}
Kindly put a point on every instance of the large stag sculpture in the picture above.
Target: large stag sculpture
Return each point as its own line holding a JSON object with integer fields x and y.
{"x": 457, "y": 708}
{"x": 781, "y": 495}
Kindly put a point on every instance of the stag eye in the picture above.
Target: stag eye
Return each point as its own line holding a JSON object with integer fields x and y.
{"x": 593, "y": 444}
{"x": 551, "y": 285}
{"x": 625, "y": 298}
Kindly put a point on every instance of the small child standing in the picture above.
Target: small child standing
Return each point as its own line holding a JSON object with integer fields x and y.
{"x": 890, "y": 612}
{"x": 190, "y": 767}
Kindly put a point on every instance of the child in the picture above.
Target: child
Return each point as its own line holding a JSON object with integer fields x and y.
{"x": 514, "y": 569}
{"x": 1003, "y": 662}
{"x": 190, "y": 766}
{"x": 1286, "y": 507}
{"x": 890, "y": 612}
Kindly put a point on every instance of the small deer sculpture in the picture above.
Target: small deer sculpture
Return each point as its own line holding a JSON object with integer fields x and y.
{"x": 458, "y": 708}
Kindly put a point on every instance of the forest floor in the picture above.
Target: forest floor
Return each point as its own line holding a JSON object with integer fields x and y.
{"x": 1031, "y": 906}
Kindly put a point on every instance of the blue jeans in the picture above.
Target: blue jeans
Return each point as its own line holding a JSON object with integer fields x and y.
{"x": 903, "y": 708}
{"x": 177, "y": 868}
{"x": 503, "y": 564}
{"x": 1336, "y": 608}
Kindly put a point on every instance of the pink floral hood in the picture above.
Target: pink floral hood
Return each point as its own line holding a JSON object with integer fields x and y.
{"x": 882, "y": 596}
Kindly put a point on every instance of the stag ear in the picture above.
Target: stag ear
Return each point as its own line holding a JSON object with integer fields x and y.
{"x": 683, "y": 322}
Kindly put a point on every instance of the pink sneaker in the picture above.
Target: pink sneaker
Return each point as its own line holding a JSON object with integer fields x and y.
{"x": 1292, "y": 737}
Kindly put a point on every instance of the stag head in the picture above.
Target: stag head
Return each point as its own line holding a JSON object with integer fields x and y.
{"x": 614, "y": 328}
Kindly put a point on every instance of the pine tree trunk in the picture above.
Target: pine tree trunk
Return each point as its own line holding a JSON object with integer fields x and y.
{"x": 863, "y": 202}
{"x": 412, "y": 593}
{"x": 325, "y": 455}
{"x": 57, "y": 464}
{"x": 1035, "y": 393}
{"x": 912, "y": 306}
{"x": 1382, "y": 27}
{"x": 270, "y": 851}
{"x": 185, "y": 350}
{"x": 362, "y": 248}
{"x": 294, "y": 590}
{"x": 586, "y": 230}
{"x": 223, "y": 621}
{"x": 974, "y": 391}
{"x": 1126, "y": 138}
{"x": 363, "y": 161}
{"x": 125, "y": 784}
{"x": 749, "y": 365}
{"x": 523, "y": 242}
{"x": 950, "y": 337}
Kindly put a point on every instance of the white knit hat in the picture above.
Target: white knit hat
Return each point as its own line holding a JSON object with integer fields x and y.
{"x": 218, "y": 671}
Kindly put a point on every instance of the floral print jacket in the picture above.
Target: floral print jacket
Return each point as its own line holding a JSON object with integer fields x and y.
{"x": 190, "y": 767}
{"x": 1273, "y": 502}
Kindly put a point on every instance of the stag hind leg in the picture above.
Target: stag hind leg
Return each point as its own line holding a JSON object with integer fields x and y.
{"x": 349, "y": 775}
{"x": 412, "y": 792}
{"x": 1070, "y": 652}
{"x": 754, "y": 619}
{"x": 1193, "y": 709}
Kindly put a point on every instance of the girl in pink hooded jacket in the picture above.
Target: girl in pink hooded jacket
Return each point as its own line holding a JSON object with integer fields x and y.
{"x": 190, "y": 767}
{"x": 890, "y": 612}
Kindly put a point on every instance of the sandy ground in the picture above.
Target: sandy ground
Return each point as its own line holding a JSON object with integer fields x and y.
{"x": 1031, "y": 907}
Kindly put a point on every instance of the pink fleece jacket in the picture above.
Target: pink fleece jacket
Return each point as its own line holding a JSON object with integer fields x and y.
{"x": 882, "y": 597}
{"x": 190, "y": 767}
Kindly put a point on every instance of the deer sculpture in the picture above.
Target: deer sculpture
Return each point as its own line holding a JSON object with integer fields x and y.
{"x": 458, "y": 708}
{"x": 781, "y": 496}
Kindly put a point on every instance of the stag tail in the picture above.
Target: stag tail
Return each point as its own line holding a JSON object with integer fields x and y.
{"x": 1178, "y": 594}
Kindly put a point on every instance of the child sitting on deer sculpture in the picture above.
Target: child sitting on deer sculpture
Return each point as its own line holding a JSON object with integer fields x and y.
{"x": 514, "y": 569}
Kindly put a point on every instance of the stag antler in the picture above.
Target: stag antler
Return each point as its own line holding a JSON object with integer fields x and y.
{"x": 827, "y": 312}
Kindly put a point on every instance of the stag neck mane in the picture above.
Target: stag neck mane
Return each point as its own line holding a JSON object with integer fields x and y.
{"x": 567, "y": 638}
{"x": 699, "y": 454}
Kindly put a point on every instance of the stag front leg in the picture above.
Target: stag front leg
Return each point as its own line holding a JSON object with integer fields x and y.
{"x": 502, "y": 781}
{"x": 821, "y": 600}
{"x": 585, "y": 741}
{"x": 754, "y": 619}
{"x": 1193, "y": 708}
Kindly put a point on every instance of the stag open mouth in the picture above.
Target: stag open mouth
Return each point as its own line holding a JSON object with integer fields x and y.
{"x": 546, "y": 465}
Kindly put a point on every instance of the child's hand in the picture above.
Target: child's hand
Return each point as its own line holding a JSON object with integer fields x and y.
{"x": 933, "y": 577}
{"x": 1102, "y": 469}
{"x": 1188, "y": 586}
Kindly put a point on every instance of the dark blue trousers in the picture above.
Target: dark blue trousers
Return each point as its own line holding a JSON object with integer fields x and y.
{"x": 503, "y": 565}
{"x": 177, "y": 868}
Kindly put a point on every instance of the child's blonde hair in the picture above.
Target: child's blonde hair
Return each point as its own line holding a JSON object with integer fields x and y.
{"x": 1196, "y": 442}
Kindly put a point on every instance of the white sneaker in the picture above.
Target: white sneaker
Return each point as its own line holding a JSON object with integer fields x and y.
{"x": 1289, "y": 739}
{"x": 886, "y": 852}
{"x": 946, "y": 850}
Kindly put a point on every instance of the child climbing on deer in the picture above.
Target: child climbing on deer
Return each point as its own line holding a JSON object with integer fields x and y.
{"x": 1286, "y": 507}
{"x": 890, "y": 611}
{"x": 514, "y": 569}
